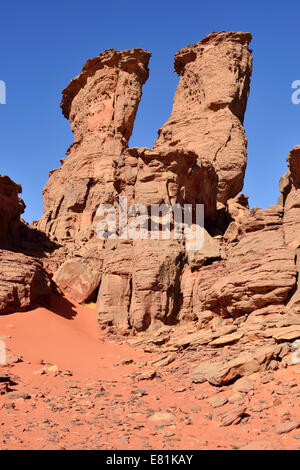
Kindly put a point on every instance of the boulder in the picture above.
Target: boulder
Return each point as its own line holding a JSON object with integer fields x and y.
{"x": 140, "y": 285}
{"x": 233, "y": 415}
{"x": 77, "y": 280}
{"x": 209, "y": 106}
{"x": 23, "y": 282}
{"x": 260, "y": 269}
{"x": 210, "y": 251}
{"x": 222, "y": 373}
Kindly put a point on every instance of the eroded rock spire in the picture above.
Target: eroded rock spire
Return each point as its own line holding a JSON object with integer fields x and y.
{"x": 209, "y": 106}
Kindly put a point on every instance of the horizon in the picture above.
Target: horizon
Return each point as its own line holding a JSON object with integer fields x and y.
{"x": 35, "y": 135}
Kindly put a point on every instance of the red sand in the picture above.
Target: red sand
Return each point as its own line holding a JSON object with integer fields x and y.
{"x": 100, "y": 406}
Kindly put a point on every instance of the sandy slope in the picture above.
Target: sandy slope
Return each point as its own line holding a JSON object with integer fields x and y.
{"x": 105, "y": 405}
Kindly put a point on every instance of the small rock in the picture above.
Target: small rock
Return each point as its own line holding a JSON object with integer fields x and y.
{"x": 232, "y": 415}
{"x": 168, "y": 433}
{"x": 15, "y": 395}
{"x": 218, "y": 401}
{"x": 165, "y": 361}
{"x": 236, "y": 397}
{"x": 139, "y": 392}
{"x": 180, "y": 389}
{"x": 39, "y": 372}
{"x": 162, "y": 416}
{"x": 126, "y": 362}
{"x": 243, "y": 385}
{"x": 53, "y": 368}
{"x": 284, "y": 428}
{"x": 147, "y": 375}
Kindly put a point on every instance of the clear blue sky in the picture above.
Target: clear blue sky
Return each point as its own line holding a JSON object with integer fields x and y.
{"x": 44, "y": 44}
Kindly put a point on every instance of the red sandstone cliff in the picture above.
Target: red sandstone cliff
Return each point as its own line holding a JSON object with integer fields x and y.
{"x": 209, "y": 106}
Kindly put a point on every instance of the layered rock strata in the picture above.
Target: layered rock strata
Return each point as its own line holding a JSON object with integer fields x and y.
{"x": 140, "y": 280}
{"x": 11, "y": 208}
{"x": 209, "y": 106}
{"x": 23, "y": 281}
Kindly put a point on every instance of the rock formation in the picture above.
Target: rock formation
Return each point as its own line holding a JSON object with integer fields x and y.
{"x": 290, "y": 198}
{"x": 204, "y": 161}
{"x": 241, "y": 284}
{"x": 23, "y": 280}
{"x": 259, "y": 270}
{"x": 209, "y": 106}
{"x": 101, "y": 104}
{"x": 238, "y": 291}
{"x": 225, "y": 313}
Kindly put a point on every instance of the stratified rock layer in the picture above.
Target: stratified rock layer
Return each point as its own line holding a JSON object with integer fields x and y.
{"x": 23, "y": 282}
{"x": 248, "y": 261}
{"x": 169, "y": 176}
{"x": 260, "y": 269}
{"x": 209, "y": 106}
{"x": 101, "y": 104}
{"x": 291, "y": 219}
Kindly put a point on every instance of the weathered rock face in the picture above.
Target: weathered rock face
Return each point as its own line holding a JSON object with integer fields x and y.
{"x": 77, "y": 280}
{"x": 258, "y": 269}
{"x": 247, "y": 261}
{"x": 245, "y": 364}
{"x": 209, "y": 106}
{"x": 238, "y": 211}
{"x": 101, "y": 104}
{"x": 11, "y": 207}
{"x": 170, "y": 176}
{"x": 23, "y": 282}
{"x": 291, "y": 199}
{"x": 140, "y": 285}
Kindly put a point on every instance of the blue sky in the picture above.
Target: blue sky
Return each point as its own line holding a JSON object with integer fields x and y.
{"x": 45, "y": 44}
